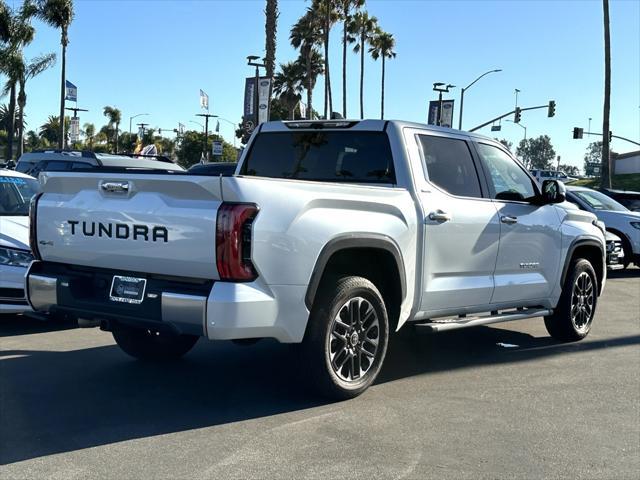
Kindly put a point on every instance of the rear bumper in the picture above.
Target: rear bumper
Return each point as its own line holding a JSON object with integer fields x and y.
{"x": 217, "y": 310}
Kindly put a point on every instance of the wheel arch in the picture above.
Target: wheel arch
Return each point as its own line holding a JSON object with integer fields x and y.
{"x": 366, "y": 254}
{"x": 591, "y": 250}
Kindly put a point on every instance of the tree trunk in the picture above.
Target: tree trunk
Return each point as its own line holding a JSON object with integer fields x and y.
{"x": 271, "y": 27}
{"x": 12, "y": 122}
{"x": 605, "y": 176}
{"x": 309, "y": 87}
{"x": 117, "y": 126}
{"x": 22, "y": 102}
{"x": 61, "y": 136}
{"x": 361, "y": 75}
{"x": 328, "y": 77}
{"x": 344, "y": 67}
{"x": 382, "y": 92}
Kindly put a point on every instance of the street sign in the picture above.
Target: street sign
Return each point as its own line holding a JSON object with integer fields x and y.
{"x": 74, "y": 129}
{"x": 496, "y": 128}
{"x": 71, "y": 91}
{"x": 216, "y": 149}
{"x": 446, "y": 120}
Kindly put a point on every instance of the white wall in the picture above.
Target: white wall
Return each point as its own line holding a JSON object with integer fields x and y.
{"x": 627, "y": 165}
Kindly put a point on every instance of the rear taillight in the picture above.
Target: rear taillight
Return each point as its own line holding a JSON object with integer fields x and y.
{"x": 233, "y": 241}
{"x": 33, "y": 223}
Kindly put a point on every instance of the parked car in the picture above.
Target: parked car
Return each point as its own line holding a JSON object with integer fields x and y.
{"x": 615, "y": 252}
{"x": 628, "y": 198}
{"x": 16, "y": 191}
{"x": 618, "y": 219}
{"x": 542, "y": 175}
{"x": 214, "y": 168}
{"x": 333, "y": 234}
{"x": 32, "y": 163}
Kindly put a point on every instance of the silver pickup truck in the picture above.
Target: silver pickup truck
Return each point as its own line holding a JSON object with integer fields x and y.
{"x": 331, "y": 234}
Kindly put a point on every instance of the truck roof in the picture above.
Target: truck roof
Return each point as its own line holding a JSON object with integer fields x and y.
{"x": 102, "y": 159}
{"x": 356, "y": 124}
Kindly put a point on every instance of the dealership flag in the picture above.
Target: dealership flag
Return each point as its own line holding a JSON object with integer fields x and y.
{"x": 71, "y": 91}
{"x": 204, "y": 101}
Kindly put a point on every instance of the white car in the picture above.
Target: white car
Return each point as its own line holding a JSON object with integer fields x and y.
{"x": 542, "y": 175}
{"x": 16, "y": 190}
{"x": 618, "y": 219}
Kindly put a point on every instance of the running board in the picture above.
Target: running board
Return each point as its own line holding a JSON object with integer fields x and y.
{"x": 441, "y": 325}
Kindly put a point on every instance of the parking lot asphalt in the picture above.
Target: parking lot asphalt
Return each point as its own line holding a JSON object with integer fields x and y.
{"x": 490, "y": 402}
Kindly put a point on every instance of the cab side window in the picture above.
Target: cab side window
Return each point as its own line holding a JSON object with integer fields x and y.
{"x": 509, "y": 181}
{"x": 450, "y": 166}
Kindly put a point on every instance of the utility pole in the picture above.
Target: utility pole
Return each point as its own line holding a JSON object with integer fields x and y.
{"x": 75, "y": 111}
{"x": 605, "y": 178}
{"x": 206, "y": 116}
{"x": 440, "y": 87}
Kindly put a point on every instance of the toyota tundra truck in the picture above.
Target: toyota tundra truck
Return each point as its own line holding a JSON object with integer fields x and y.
{"x": 330, "y": 234}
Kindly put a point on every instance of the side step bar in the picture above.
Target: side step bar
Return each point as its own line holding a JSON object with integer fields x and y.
{"x": 441, "y": 325}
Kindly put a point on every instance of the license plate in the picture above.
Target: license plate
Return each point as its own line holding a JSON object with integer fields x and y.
{"x": 127, "y": 289}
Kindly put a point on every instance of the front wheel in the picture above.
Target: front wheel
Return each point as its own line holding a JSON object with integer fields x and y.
{"x": 346, "y": 339}
{"x": 152, "y": 345}
{"x": 572, "y": 318}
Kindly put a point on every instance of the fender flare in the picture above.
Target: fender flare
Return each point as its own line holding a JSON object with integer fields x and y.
{"x": 581, "y": 242}
{"x": 354, "y": 240}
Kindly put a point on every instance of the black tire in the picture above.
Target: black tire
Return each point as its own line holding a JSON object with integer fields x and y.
{"x": 151, "y": 345}
{"x": 329, "y": 341}
{"x": 573, "y": 317}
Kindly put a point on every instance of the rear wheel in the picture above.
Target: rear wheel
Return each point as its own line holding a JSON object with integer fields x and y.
{"x": 346, "y": 339}
{"x": 572, "y": 318}
{"x": 152, "y": 345}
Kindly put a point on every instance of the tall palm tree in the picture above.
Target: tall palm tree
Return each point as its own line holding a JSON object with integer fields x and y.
{"x": 345, "y": 9}
{"x": 288, "y": 85}
{"x": 17, "y": 32}
{"x": 326, "y": 13}
{"x": 382, "y": 45}
{"x": 59, "y": 14}
{"x": 605, "y": 177}
{"x": 312, "y": 67}
{"x": 361, "y": 30}
{"x": 271, "y": 28}
{"x": 89, "y": 134}
{"x": 30, "y": 69}
{"x": 114, "y": 116}
{"x": 304, "y": 36}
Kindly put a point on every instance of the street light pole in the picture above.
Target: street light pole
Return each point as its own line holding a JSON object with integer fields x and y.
{"x": 131, "y": 118}
{"x": 521, "y": 126}
{"x": 233, "y": 125}
{"x": 467, "y": 88}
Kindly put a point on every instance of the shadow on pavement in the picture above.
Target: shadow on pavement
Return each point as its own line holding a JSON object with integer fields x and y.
{"x": 630, "y": 272}
{"x": 53, "y": 402}
{"x": 12, "y": 325}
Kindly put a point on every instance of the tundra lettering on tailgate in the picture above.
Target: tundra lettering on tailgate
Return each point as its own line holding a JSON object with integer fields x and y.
{"x": 119, "y": 230}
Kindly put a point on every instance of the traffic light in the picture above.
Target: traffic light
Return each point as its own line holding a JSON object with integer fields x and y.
{"x": 551, "y": 111}
{"x": 517, "y": 116}
{"x": 577, "y": 133}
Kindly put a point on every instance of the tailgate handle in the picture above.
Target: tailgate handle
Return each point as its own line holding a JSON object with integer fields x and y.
{"x": 115, "y": 187}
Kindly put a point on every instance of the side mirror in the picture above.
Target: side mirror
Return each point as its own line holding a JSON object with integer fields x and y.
{"x": 553, "y": 191}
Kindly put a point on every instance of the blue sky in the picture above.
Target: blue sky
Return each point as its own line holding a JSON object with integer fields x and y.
{"x": 153, "y": 56}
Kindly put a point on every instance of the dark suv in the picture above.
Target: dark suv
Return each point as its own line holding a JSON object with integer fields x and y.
{"x": 32, "y": 163}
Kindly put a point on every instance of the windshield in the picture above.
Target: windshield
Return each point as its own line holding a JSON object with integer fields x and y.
{"x": 599, "y": 201}
{"x": 15, "y": 194}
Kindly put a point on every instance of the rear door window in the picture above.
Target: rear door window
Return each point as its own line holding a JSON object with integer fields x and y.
{"x": 327, "y": 156}
{"x": 56, "y": 166}
{"x": 450, "y": 166}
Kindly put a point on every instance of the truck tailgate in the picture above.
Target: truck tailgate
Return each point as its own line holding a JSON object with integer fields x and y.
{"x": 143, "y": 222}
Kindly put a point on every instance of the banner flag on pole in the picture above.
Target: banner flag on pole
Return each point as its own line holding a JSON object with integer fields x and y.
{"x": 218, "y": 127}
{"x": 204, "y": 100}
{"x": 71, "y": 93}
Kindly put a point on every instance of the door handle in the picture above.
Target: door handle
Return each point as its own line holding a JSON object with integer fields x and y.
{"x": 439, "y": 216}
{"x": 508, "y": 219}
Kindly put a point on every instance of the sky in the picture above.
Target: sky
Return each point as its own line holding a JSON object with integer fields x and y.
{"x": 153, "y": 56}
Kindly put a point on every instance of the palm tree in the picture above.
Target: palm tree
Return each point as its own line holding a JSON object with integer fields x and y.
{"x": 271, "y": 28}
{"x": 32, "y": 141}
{"x": 605, "y": 177}
{"x": 382, "y": 45}
{"x": 345, "y": 7}
{"x": 304, "y": 36}
{"x": 288, "y": 85}
{"x": 50, "y": 130}
{"x": 114, "y": 116}
{"x": 29, "y": 70}
{"x": 326, "y": 14}
{"x": 89, "y": 134}
{"x": 312, "y": 67}
{"x": 59, "y": 14}
{"x": 17, "y": 32}
{"x": 361, "y": 30}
